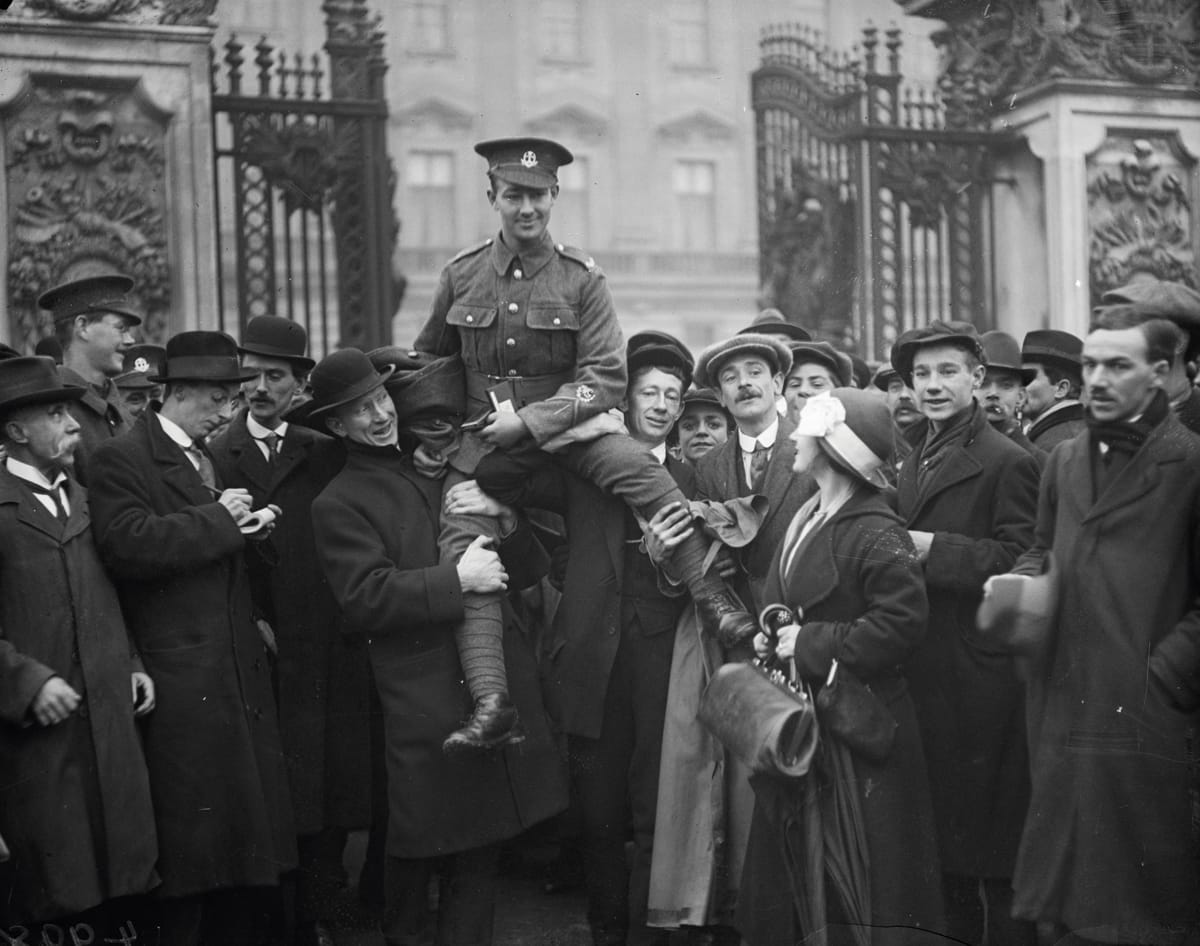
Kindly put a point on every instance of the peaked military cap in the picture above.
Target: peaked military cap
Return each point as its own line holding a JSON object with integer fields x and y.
{"x": 91, "y": 294}
{"x": 141, "y": 364}
{"x": 529, "y": 162}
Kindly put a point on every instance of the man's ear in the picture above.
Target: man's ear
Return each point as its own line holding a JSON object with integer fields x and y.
{"x": 978, "y": 373}
{"x": 1161, "y": 368}
{"x": 777, "y": 383}
{"x": 1062, "y": 390}
{"x": 335, "y": 426}
{"x": 14, "y": 432}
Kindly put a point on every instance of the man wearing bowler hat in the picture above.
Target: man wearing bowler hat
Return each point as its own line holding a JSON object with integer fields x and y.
{"x": 535, "y": 326}
{"x": 74, "y": 794}
{"x": 173, "y": 538}
{"x": 1002, "y": 394}
{"x": 376, "y": 527}
{"x": 321, "y": 674}
{"x": 138, "y": 392}
{"x": 1052, "y": 397}
{"x": 94, "y": 318}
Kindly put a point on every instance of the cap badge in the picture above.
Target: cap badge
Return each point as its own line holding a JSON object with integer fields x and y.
{"x": 585, "y": 393}
{"x": 529, "y": 160}
{"x": 142, "y": 365}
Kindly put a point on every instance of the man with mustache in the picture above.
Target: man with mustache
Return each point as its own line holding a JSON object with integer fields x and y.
{"x": 94, "y": 320}
{"x": 969, "y": 497}
{"x": 1108, "y": 852}
{"x": 1002, "y": 393}
{"x": 907, "y": 421}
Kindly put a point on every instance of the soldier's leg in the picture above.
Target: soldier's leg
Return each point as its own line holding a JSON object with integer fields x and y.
{"x": 479, "y": 639}
{"x": 626, "y": 468}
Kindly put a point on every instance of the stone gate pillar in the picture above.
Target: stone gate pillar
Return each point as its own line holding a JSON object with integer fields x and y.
{"x": 1097, "y": 111}
{"x": 105, "y": 122}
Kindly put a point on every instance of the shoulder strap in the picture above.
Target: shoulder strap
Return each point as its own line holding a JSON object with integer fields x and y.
{"x": 472, "y": 250}
{"x": 577, "y": 255}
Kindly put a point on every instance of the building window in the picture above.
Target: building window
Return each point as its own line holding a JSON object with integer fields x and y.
{"x": 695, "y": 196}
{"x": 429, "y": 26}
{"x": 429, "y": 218}
{"x": 574, "y": 188}
{"x": 562, "y": 30}
{"x": 688, "y": 33}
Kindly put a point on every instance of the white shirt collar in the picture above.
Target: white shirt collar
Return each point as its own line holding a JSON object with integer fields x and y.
{"x": 766, "y": 438}
{"x": 258, "y": 431}
{"x": 176, "y": 433}
{"x": 31, "y": 474}
{"x": 660, "y": 452}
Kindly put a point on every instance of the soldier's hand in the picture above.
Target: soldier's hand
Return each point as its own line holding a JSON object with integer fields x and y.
{"x": 504, "y": 429}
{"x": 479, "y": 569}
{"x": 237, "y": 503}
{"x": 667, "y": 528}
{"x": 55, "y": 701}
{"x": 143, "y": 693}
{"x": 429, "y": 463}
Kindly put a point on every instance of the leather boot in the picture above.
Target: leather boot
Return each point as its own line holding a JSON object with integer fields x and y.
{"x": 724, "y": 616}
{"x": 494, "y": 723}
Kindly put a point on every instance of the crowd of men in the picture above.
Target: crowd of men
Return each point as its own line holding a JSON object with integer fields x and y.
{"x": 250, "y": 602}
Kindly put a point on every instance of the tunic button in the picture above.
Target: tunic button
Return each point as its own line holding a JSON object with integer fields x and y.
{"x": 557, "y": 321}
{"x": 517, "y": 274}
{"x": 512, "y": 372}
{"x": 511, "y": 342}
{"x": 513, "y": 307}
{"x": 470, "y": 318}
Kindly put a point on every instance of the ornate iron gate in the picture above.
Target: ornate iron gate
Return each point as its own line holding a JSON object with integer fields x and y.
{"x": 874, "y": 209}
{"x": 304, "y": 186}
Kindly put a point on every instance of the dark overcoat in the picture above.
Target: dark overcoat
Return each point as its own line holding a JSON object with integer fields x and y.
{"x": 212, "y": 743}
{"x": 1109, "y": 840}
{"x": 980, "y": 504}
{"x": 588, "y": 621}
{"x": 74, "y": 797}
{"x": 377, "y": 529}
{"x": 1049, "y": 430}
{"x": 859, "y": 585}
{"x": 322, "y": 677}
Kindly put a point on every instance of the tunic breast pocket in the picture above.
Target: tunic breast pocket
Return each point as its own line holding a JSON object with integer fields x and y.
{"x": 554, "y": 330}
{"x": 471, "y": 322}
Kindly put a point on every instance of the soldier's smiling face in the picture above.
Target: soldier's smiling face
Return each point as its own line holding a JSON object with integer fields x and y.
{"x": 524, "y": 212}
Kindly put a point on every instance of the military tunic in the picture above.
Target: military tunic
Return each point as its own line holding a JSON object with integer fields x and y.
{"x": 543, "y": 320}
{"x": 100, "y": 417}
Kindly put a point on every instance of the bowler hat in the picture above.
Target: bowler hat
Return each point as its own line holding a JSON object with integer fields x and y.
{"x": 774, "y": 322}
{"x": 1048, "y": 346}
{"x": 822, "y": 353}
{"x": 141, "y": 363}
{"x": 959, "y": 334}
{"x": 277, "y": 337}
{"x": 528, "y": 162}
{"x": 657, "y": 349}
{"x": 772, "y": 350}
{"x": 342, "y": 377}
{"x": 854, "y": 427}
{"x": 33, "y": 379}
{"x": 48, "y": 346}
{"x": 202, "y": 356}
{"x": 423, "y": 385}
{"x": 91, "y": 294}
{"x": 1004, "y": 354}
{"x": 1170, "y": 300}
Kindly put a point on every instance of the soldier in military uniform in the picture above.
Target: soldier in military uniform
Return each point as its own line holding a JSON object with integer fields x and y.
{"x": 535, "y": 325}
{"x": 93, "y": 322}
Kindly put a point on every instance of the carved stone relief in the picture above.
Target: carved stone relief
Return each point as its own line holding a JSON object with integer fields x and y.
{"x": 141, "y": 12}
{"x": 85, "y": 171}
{"x": 1140, "y": 216}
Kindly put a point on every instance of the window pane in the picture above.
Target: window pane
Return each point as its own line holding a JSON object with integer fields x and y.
{"x": 695, "y": 197}
{"x": 428, "y": 220}
{"x": 429, "y": 26}
{"x": 562, "y": 29}
{"x": 687, "y": 27}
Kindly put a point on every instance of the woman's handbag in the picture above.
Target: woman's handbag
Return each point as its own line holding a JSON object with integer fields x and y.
{"x": 850, "y": 710}
{"x": 761, "y": 718}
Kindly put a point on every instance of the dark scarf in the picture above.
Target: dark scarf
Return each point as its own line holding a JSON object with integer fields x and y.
{"x": 1121, "y": 439}
{"x": 939, "y": 444}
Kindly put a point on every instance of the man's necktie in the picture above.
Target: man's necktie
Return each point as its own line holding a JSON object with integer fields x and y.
{"x": 758, "y": 466}
{"x": 55, "y": 494}
{"x": 204, "y": 466}
{"x": 271, "y": 442}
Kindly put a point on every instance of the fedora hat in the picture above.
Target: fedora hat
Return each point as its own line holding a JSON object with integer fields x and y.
{"x": 772, "y": 350}
{"x": 822, "y": 353}
{"x": 959, "y": 334}
{"x": 33, "y": 379}
{"x": 774, "y": 322}
{"x": 276, "y": 337}
{"x": 202, "y": 356}
{"x": 91, "y": 294}
{"x": 854, "y": 427}
{"x": 1053, "y": 347}
{"x": 421, "y": 384}
{"x": 1004, "y": 354}
{"x": 342, "y": 377}
{"x": 658, "y": 349}
{"x": 141, "y": 363}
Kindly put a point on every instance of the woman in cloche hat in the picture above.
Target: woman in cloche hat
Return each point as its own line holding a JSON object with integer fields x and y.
{"x": 849, "y": 583}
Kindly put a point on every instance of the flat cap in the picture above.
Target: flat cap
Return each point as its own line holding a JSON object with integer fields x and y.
{"x": 1170, "y": 300}
{"x": 960, "y": 334}
{"x": 771, "y": 350}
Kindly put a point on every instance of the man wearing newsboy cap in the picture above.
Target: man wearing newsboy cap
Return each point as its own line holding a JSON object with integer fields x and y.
{"x": 173, "y": 539}
{"x": 94, "y": 318}
{"x": 74, "y": 793}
